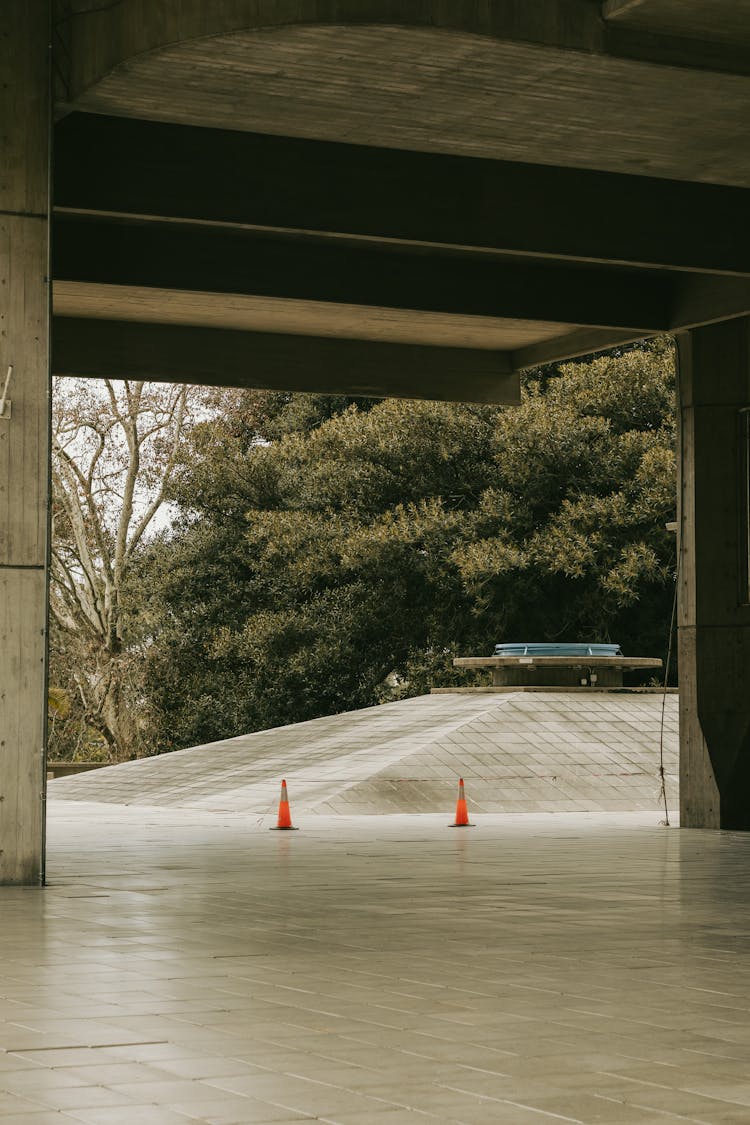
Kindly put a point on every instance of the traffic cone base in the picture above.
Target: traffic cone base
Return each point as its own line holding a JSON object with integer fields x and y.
{"x": 462, "y": 814}
{"x": 284, "y": 821}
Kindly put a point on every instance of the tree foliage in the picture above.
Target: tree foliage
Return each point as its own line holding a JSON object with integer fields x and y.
{"x": 328, "y": 557}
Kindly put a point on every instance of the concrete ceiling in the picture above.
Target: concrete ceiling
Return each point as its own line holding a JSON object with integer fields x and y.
{"x": 277, "y": 191}
{"x": 435, "y": 90}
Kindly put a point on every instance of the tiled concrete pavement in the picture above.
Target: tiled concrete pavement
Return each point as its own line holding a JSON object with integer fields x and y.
{"x": 192, "y": 966}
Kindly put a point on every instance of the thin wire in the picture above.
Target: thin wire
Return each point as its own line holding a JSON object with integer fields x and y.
{"x": 267, "y": 813}
{"x": 662, "y": 774}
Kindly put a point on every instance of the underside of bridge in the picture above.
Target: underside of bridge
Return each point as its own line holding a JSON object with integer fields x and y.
{"x": 380, "y": 197}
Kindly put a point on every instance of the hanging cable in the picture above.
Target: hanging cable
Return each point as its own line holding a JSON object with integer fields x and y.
{"x": 662, "y": 774}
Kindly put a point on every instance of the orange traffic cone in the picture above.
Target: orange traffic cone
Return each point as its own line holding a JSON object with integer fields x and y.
{"x": 284, "y": 821}
{"x": 462, "y": 815}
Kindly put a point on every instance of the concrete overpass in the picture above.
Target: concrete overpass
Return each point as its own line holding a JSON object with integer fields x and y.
{"x": 414, "y": 198}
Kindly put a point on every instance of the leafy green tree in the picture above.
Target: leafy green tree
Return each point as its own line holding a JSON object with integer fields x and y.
{"x": 328, "y": 557}
{"x": 570, "y": 541}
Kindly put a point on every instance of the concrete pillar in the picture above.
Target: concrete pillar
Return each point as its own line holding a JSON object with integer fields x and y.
{"x": 24, "y": 435}
{"x": 714, "y": 584}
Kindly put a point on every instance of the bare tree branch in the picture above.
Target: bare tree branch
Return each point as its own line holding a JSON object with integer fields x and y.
{"x": 115, "y": 449}
{"x": 158, "y": 500}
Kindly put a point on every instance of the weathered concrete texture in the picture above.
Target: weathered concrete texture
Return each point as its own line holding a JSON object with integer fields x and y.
{"x": 171, "y": 353}
{"x": 24, "y": 331}
{"x": 714, "y": 611}
{"x": 443, "y": 91}
{"x": 359, "y": 292}
{"x": 518, "y": 752}
{"x": 349, "y": 148}
{"x": 723, "y": 20}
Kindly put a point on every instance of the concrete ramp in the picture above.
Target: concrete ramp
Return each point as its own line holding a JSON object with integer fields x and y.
{"x": 517, "y": 751}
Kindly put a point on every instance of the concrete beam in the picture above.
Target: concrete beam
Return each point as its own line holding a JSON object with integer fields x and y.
{"x": 674, "y": 51}
{"x": 706, "y": 298}
{"x": 220, "y": 357}
{"x": 296, "y": 317}
{"x": 108, "y": 250}
{"x": 698, "y": 23}
{"x": 116, "y": 32}
{"x": 571, "y": 345}
{"x": 154, "y": 169}
{"x": 96, "y": 42}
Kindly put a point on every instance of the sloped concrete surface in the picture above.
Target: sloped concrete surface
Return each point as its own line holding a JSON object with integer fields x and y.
{"x": 518, "y": 752}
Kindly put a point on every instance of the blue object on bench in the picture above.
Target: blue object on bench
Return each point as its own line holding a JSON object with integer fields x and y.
{"x": 544, "y": 649}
